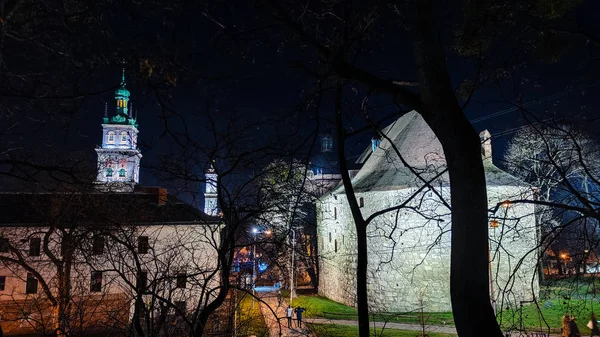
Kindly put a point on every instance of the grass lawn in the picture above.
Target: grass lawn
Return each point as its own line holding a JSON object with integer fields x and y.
{"x": 316, "y": 305}
{"x": 251, "y": 320}
{"x": 332, "y": 330}
{"x": 577, "y": 296}
{"x": 322, "y": 307}
{"x": 549, "y": 314}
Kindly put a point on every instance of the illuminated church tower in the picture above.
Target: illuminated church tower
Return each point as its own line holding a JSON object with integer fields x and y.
{"x": 210, "y": 192}
{"x": 119, "y": 156}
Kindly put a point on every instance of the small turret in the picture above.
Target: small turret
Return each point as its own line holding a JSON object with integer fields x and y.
{"x": 211, "y": 206}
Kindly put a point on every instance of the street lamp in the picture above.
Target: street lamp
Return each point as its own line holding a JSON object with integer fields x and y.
{"x": 292, "y": 291}
{"x": 254, "y": 232}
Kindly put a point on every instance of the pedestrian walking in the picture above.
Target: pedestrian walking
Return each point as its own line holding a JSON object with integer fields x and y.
{"x": 299, "y": 311}
{"x": 593, "y": 325}
{"x": 288, "y": 313}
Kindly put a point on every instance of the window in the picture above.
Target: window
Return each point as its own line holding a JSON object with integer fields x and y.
{"x": 98, "y": 245}
{"x": 361, "y": 202}
{"x": 329, "y": 236}
{"x": 181, "y": 280}
{"x": 122, "y": 173}
{"x": 109, "y": 172}
{"x": 143, "y": 245}
{"x": 110, "y": 137}
{"x": 123, "y": 137}
{"x": 180, "y": 306}
{"x": 96, "y": 282}
{"x": 31, "y": 285}
{"x": 34, "y": 246}
{"x": 142, "y": 281}
{"x": 2, "y": 282}
{"x": 335, "y": 245}
{"x": 335, "y": 213}
{"x": 3, "y": 245}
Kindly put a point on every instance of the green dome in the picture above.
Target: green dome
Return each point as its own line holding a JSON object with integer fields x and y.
{"x": 122, "y": 92}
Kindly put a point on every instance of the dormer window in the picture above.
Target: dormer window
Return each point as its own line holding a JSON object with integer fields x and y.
{"x": 109, "y": 172}
{"x": 110, "y": 137}
{"x": 123, "y": 137}
{"x": 122, "y": 173}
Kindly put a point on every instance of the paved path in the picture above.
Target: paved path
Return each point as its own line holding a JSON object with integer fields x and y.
{"x": 275, "y": 315}
{"x": 412, "y": 327}
{"x": 390, "y": 325}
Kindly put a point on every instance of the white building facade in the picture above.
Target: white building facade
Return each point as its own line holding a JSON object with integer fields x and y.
{"x": 409, "y": 248}
{"x": 105, "y": 256}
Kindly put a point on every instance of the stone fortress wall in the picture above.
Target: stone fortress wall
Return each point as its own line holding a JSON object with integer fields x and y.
{"x": 409, "y": 251}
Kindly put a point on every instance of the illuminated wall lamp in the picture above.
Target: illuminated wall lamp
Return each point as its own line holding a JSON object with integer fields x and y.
{"x": 494, "y": 223}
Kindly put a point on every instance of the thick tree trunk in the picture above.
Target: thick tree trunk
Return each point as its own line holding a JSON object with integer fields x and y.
{"x": 469, "y": 280}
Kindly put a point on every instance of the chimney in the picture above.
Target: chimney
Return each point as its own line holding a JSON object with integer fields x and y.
{"x": 486, "y": 144}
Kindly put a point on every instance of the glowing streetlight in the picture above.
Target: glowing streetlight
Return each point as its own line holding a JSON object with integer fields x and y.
{"x": 254, "y": 232}
{"x": 505, "y": 204}
{"x": 494, "y": 223}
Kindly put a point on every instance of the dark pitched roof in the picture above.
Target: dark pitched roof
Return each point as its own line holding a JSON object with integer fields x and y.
{"x": 421, "y": 150}
{"x": 97, "y": 208}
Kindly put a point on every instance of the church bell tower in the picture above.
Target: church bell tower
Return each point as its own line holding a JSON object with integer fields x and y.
{"x": 119, "y": 156}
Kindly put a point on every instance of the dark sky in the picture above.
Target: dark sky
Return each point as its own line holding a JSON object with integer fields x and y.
{"x": 249, "y": 78}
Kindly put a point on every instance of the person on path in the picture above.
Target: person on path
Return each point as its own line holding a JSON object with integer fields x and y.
{"x": 593, "y": 325}
{"x": 299, "y": 311}
{"x": 288, "y": 313}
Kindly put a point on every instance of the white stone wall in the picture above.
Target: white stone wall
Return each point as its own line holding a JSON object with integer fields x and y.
{"x": 409, "y": 250}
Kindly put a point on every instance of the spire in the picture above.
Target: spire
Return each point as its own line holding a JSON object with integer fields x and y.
{"x": 122, "y": 98}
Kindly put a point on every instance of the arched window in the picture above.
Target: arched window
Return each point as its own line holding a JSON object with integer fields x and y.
{"x": 122, "y": 173}
{"x": 109, "y": 172}
{"x": 335, "y": 244}
{"x": 123, "y": 137}
{"x": 361, "y": 202}
{"x": 110, "y": 137}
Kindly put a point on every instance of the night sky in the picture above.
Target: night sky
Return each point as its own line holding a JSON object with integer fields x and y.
{"x": 235, "y": 63}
